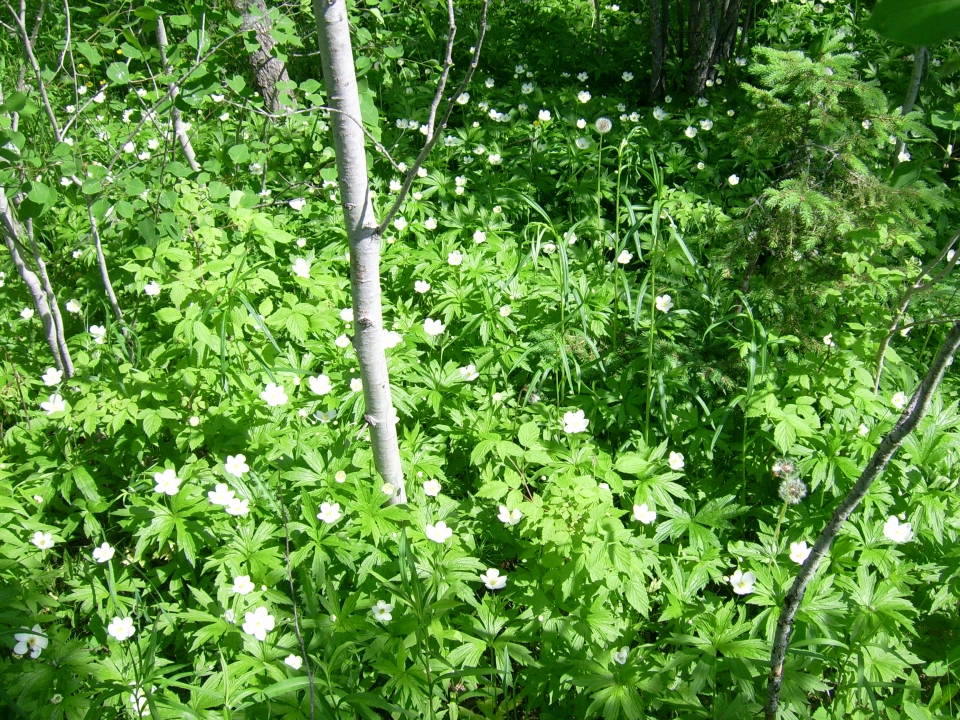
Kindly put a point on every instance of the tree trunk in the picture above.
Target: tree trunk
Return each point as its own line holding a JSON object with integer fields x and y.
{"x": 712, "y": 33}
{"x": 178, "y": 132}
{"x": 340, "y": 79}
{"x": 659, "y": 28}
{"x": 267, "y": 70}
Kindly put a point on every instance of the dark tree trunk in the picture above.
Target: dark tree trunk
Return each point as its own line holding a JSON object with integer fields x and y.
{"x": 712, "y": 32}
{"x": 267, "y": 70}
{"x": 659, "y": 28}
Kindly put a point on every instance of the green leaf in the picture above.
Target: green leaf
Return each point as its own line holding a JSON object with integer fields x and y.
{"x": 529, "y": 435}
{"x": 40, "y": 198}
{"x": 86, "y": 484}
{"x": 119, "y": 73}
{"x": 168, "y": 315}
{"x": 916, "y": 22}
{"x": 14, "y": 103}
{"x": 239, "y": 154}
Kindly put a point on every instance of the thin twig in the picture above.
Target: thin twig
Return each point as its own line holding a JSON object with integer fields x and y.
{"x": 434, "y": 135}
{"x": 178, "y": 132}
{"x": 28, "y": 48}
{"x": 16, "y": 379}
{"x": 917, "y": 287}
{"x": 909, "y": 419}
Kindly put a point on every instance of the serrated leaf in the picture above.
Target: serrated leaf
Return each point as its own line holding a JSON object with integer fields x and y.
{"x": 86, "y": 484}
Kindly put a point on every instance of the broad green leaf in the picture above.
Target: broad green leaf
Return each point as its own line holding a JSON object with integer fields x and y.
{"x": 916, "y": 22}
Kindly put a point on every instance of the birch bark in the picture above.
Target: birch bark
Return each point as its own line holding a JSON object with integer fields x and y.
{"x": 340, "y": 78}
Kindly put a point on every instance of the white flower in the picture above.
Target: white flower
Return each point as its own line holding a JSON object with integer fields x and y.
{"x": 381, "y": 611}
{"x": 329, "y": 513}
{"x": 294, "y": 661}
{"x": 494, "y": 158}
{"x": 400, "y": 223}
{"x": 690, "y": 132}
{"x": 544, "y": 115}
{"x": 469, "y": 373}
{"x": 430, "y": 223}
{"x": 455, "y": 258}
{"x": 741, "y": 62}
{"x": 421, "y": 286}
{"x": 899, "y": 532}
{"x": 52, "y": 377}
{"x": 439, "y": 533}
{"x": 583, "y": 96}
{"x": 342, "y": 341}
{"x": 104, "y": 553}
{"x": 152, "y": 289}
{"x": 222, "y": 495}
{"x": 583, "y": 143}
{"x": 863, "y": 430}
{"x": 574, "y": 422}
{"x": 273, "y": 395}
{"x": 301, "y": 268}
{"x": 98, "y": 332}
{"x": 32, "y": 641}
{"x": 301, "y": 242}
{"x": 421, "y": 172}
{"x": 479, "y": 236}
{"x": 527, "y": 88}
{"x": 73, "y": 306}
{"x": 734, "y": 179}
{"x": 664, "y": 303}
{"x": 99, "y": 98}
{"x": 828, "y": 340}
{"x": 899, "y": 400}
{"x": 489, "y": 82}
{"x": 658, "y": 113}
{"x": 431, "y": 488}
{"x": 509, "y": 517}
{"x": 320, "y": 384}
{"x": 388, "y": 489}
{"x": 505, "y": 310}
{"x": 346, "y": 315}
{"x": 167, "y": 482}
{"x": 493, "y": 579}
{"x": 799, "y": 552}
{"x": 433, "y": 327}
{"x": 55, "y": 403}
{"x": 706, "y": 124}
{"x": 340, "y": 476}
{"x": 668, "y": 99}
{"x": 644, "y": 514}
{"x": 129, "y": 148}
{"x": 356, "y": 384}
{"x": 26, "y": 313}
{"x": 236, "y": 465}
{"x": 297, "y": 203}
{"x": 701, "y": 102}
{"x": 44, "y": 541}
{"x": 701, "y": 165}
{"x": 242, "y": 585}
{"x": 866, "y": 124}
{"x": 395, "y": 186}
{"x": 620, "y": 656}
{"x": 676, "y": 461}
{"x": 582, "y": 77}
{"x": 194, "y": 421}
{"x": 903, "y": 155}
{"x": 743, "y": 582}
{"x": 627, "y": 76}
{"x": 463, "y": 98}
{"x": 259, "y": 623}
{"x": 624, "y": 257}
{"x": 121, "y": 628}
{"x": 604, "y": 125}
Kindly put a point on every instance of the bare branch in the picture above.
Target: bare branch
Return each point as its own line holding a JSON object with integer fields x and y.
{"x": 28, "y": 49}
{"x": 917, "y": 287}
{"x": 433, "y": 134}
{"x": 178, "y": 132}
{"x": 909, "y": 419}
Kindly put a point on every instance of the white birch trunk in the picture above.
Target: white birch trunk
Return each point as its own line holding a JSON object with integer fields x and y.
{"x": 341, "y": 83}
